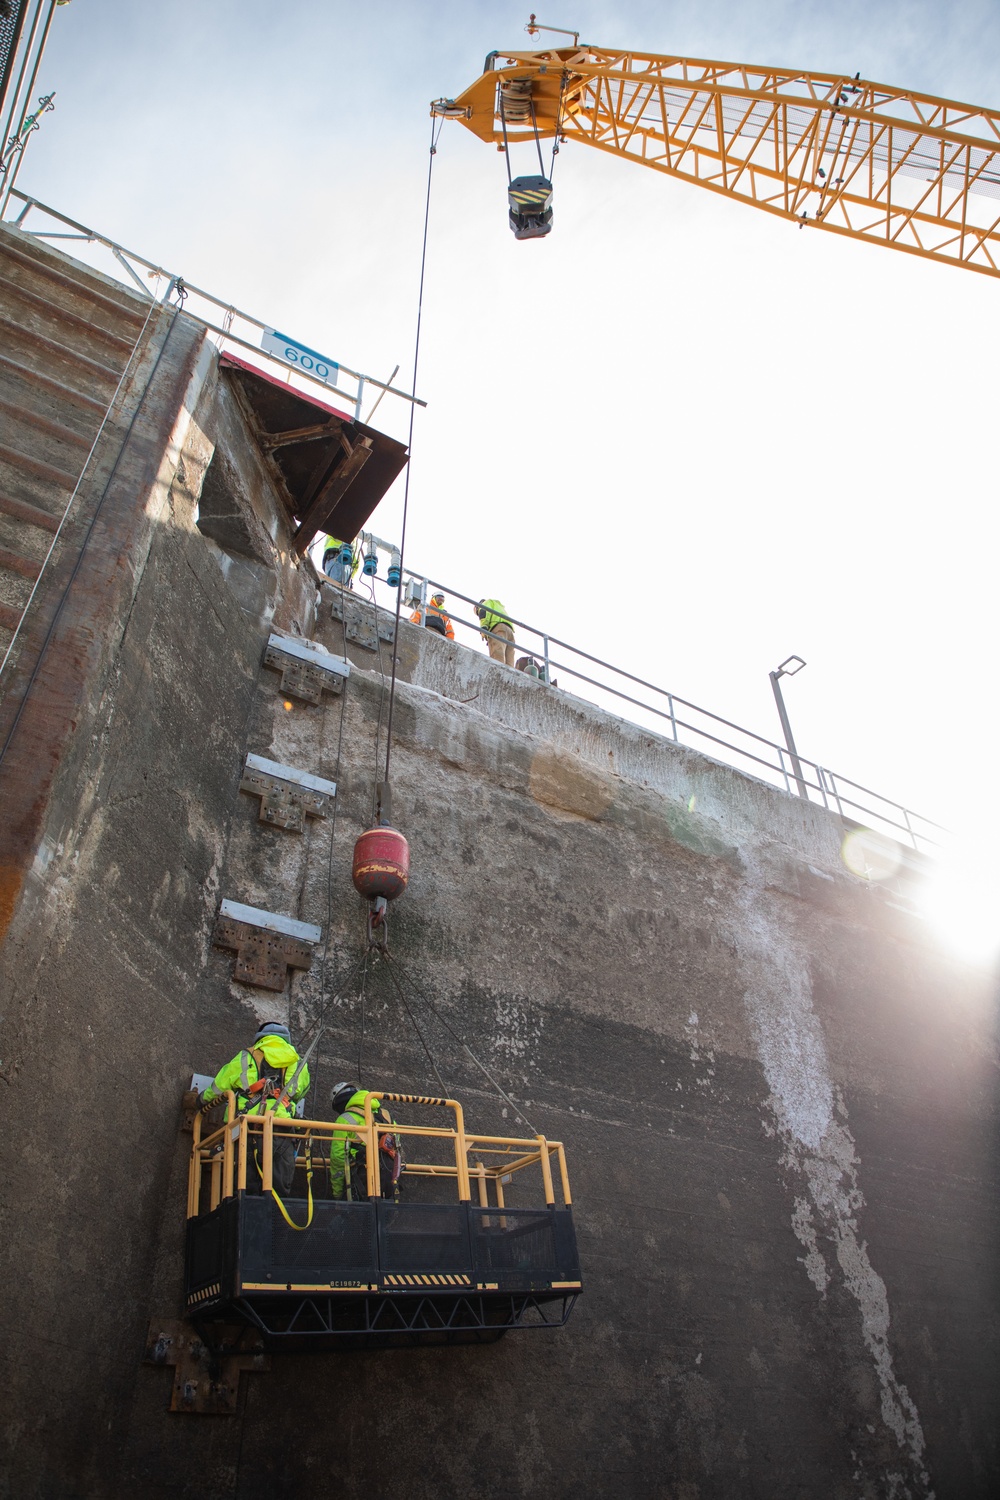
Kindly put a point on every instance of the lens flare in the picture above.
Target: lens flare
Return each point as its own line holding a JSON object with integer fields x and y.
{"x": 870, "y": 855}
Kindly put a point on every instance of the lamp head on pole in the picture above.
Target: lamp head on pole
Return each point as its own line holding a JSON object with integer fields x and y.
{"x": 789, "y": 667}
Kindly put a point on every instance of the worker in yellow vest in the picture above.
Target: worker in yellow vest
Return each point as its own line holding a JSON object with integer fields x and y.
{"x": 434, "y": 617}
{"x": 497, "y": 631}
{"x": 269, "y": 1077}
{"x": 341, "y": 561}
{"x": 348, "y": 1152}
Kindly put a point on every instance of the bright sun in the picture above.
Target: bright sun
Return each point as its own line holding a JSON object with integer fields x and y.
{"x": 961, "y": 901}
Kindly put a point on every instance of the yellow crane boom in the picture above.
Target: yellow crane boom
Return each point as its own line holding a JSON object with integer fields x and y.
{"x": 889, "y": 165}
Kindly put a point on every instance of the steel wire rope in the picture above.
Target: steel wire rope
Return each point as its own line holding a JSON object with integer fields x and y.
{"x": 538, "y": 142}
{"x": 316, "y": 1022}
{"x": 435, "y": 135}
{"x": 361, "y": 999}
{"x": 413, "y": 1021}
{"x": 517, "y": 1108}
{"x": 86, "y": 464}
{"x": 362, "y": 993}
{"x": 503, "y": 127}
{"x": 329, "y": 865}
{"x": 559, "y": 113}
{"x": 90, "y": 528}
{"x": 381, "y": 702}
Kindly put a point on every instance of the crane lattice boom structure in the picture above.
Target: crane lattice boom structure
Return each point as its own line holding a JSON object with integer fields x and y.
{"x": 902, "y": 169}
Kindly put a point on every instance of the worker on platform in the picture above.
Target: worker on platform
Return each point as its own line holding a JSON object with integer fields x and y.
{"x": 348, "y": 1152}
{"x": 267, "y": 1078}
{"x": 497, "y": 630}
{"x": 434, "y": 617}
{"x": 337, "y": 565}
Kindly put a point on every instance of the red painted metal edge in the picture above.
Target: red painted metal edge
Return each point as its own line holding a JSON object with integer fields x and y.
{"x": 230, "y": 361}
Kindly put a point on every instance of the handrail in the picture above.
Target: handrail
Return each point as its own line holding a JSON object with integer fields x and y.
{"x": 177, "y": 285}
{"x": 225, "y": 1151}
{"x": 850, "y": 800}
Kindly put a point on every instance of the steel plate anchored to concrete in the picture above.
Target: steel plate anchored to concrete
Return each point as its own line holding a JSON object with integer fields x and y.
{"x": 307, "y": 668}
{"x": 206, "y": 1379}
{"x": 286, "y": 795}
{"x": 266, "y": 945}
{"x": 366, "y": 624}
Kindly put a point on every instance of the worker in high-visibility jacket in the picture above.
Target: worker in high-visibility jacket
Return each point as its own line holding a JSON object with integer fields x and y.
{"x": 434, "y": 617}
{"x": 337, "y": 565}
{"x": 497, "y": 631}
{"x": 348, "y": 1151}
{"x": 268, "y": 1078}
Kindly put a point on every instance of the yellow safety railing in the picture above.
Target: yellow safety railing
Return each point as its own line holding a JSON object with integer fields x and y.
{"x": 224, "y": 1153}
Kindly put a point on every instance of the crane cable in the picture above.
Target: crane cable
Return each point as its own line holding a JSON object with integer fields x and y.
{"x": 534, "y": 126}
{"x": 329, "y": 870}
{"x": 437, "y": 123}
{"x": 517, "y": 1108}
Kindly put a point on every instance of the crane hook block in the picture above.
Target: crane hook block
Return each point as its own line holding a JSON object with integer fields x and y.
{"x": 381, "y": 864}
{"x": 530, "y": 200}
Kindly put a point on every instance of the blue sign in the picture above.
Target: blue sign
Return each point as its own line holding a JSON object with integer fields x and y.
{"x": 300, "y": 356}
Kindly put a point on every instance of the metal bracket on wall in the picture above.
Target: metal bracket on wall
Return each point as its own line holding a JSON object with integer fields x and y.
{"x": 307, "y": 668}
{"x": 206, "y": 1379}
{"x": 366, "y": 623}
{"x": 266, "y": 945}
{"x": 286, "y": 795}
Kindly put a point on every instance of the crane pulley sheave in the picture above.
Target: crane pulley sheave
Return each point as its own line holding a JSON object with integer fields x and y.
{"x": 902, "y": 169}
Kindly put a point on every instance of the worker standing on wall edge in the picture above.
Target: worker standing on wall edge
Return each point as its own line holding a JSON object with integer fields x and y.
{"x": 348, "y": 1153}
{"x": 495, "y": 623}
{"x": 434, "y": 617}
{"x": 267, "y": 1078}
{"x": 341, "y": 561}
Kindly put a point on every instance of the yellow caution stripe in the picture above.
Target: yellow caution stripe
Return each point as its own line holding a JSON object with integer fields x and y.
{"x": 205, "y": 1293}
{"x": 534, "y": 195}
{"x": 576, "y": 1285}
{"x": 418, "y": 1281}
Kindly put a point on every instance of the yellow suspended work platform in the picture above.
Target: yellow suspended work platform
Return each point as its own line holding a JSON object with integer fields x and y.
{"x": 426, "y": 1265}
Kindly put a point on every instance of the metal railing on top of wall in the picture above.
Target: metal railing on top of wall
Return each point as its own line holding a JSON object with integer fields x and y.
{"x": 301, "y": 365}
{"x": 687, "y": 724}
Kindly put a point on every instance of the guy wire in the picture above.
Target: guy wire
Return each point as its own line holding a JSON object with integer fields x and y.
{"x": 435, "y": 133}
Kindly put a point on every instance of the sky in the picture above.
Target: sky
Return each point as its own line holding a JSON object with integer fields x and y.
{"x": 677, "y": 432}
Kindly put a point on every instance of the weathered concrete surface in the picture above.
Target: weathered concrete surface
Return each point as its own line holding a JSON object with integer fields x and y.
{"x": 778, "y": 1097}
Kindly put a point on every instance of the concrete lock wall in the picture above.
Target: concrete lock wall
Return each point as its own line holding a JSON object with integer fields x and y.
{"x": 778, "y": 1095}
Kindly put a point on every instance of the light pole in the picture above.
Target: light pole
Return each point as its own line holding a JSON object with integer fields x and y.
{"x": 788, "y": 668}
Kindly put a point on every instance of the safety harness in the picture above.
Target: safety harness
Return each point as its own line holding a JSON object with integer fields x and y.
{"x": 270, "y": 1086}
